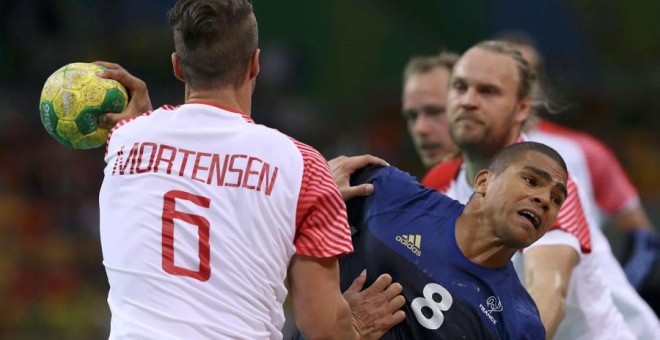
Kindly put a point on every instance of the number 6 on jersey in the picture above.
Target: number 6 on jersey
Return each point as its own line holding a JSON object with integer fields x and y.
{"x": 203, "y": 226}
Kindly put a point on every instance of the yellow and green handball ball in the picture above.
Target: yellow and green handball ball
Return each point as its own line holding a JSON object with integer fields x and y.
{"x": 71, "y": 101}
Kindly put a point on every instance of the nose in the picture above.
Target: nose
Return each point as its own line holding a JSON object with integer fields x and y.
{"x": 421, "y": 124}
{"x": 543, "y": 199}
{"x": 469, "y": 99}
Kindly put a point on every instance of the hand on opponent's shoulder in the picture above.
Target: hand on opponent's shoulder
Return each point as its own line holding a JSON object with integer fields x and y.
{"x": 342, "y": 167}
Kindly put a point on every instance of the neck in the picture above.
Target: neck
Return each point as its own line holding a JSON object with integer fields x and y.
{"x": 532, "y": 122}
{"x": 474, "y": 162}
{"x": 477, "y": 157}
{"x": 237, "y": 99}
{"x": 477, "y": 241}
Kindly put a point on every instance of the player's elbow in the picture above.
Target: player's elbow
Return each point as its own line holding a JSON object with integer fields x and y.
{"x": 337, "y": 325}
{"x": 317, "y": 330}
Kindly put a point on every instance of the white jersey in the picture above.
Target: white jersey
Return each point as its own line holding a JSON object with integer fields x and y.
{"x": 201, "y": 212}
{"x": 590, "y": 311}
{"x": 612, "y": 191}
{"x": 637, "y": 313}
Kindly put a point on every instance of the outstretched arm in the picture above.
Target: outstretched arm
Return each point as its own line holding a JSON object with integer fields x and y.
{"x": 632, "y": 219}
{"x": 616, "y": 195}
{"x": 321, "y": 312}
{"x": 319, "y": 309}
{"x": 548, "y": 271}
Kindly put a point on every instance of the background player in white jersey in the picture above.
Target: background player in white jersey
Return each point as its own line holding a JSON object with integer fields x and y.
{"x": 205, "y": 213}
{"x": 489, "y": 99}
{"x": 608, "y": 193}
{"x": 418, "y": 93}
{"x": 616, "y": 197}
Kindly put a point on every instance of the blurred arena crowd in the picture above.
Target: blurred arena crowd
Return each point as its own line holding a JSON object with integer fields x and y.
{"x": 331, "y": 77}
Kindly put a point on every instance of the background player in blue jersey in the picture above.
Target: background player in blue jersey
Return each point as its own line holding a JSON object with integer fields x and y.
{"x": 454, "y": 261}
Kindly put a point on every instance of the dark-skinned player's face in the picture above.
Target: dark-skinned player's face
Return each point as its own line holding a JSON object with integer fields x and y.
{"x": 524, "y": 200}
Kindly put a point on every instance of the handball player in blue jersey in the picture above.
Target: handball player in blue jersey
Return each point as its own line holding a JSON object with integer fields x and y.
{"x": 454, "y": 260}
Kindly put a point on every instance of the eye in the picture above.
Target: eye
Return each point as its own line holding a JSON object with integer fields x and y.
{"x": 433, "y": 110}
{"x": 488, "y": 90}
{"x": 556, "y": 200}
{"x": 458, "y": 85}
{"x": 559, "y": 199}
{"x": 409, "y": 115}
{"x": 530, "y": 180}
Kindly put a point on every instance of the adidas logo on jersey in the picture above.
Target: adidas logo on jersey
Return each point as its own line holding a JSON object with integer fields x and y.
{"x": 412, "y": 242}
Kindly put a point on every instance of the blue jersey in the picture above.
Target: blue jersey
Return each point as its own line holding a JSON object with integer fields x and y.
{"x": 407, "y": 231}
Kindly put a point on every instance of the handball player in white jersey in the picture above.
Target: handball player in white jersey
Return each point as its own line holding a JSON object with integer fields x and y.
{"x": 205, "y": 214}
{"x": 609, "y": 195}
{"x": 489, "y": 100}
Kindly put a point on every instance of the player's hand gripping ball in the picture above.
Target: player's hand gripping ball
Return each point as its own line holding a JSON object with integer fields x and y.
{"x": 72, "y": 100}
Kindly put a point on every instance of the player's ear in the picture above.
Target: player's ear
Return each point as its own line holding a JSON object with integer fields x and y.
{"x": 481, "y": 181}
{"x": 253, "y": 68}
{"x": 176, "y": 67}
{"x": 524, "y": 110}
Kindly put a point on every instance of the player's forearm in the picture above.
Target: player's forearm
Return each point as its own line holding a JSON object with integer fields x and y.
{"x": 342, "y": 327}
{"x": 336, "y": 325}
{"x": 631, "y": 220}
{"x": 644, "y": 243}
{"x": 321, "y": 312}
{"x": 552, "y": 307}
{"x": 548, "y": 272}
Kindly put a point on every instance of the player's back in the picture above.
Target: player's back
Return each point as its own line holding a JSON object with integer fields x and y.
{"x": 198, "y": 215}
{"x": 584, "y": 157}
{"x": 611, "y": 187}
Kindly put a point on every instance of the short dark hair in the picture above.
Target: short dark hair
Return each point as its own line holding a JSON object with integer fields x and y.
{"x": 526, "y": 74}
{"x": 214, "y": 40}
{"x": 424, "y": 64}
{"x": 516, "y": 151}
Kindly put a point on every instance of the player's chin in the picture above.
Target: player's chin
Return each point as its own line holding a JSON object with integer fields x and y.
{"x": 521, "y": 238}
{"x": 430, "y": 160}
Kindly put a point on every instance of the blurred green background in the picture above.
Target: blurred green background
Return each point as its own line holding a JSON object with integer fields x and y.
{"x": 330, "y": 77}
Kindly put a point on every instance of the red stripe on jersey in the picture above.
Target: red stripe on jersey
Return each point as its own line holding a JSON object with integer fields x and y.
{"x": 321, "y": 223}
{"x": 441, "y": 175}
{"x": 571, "y": 217}
{"x": 612, "y": 188}
{"x": 118, "y": 125}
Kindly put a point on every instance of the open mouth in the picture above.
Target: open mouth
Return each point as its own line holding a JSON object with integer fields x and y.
{"x": 530, "y": 215}
{"x": 467, "y": 116}
{"x": 430, "y": 148}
